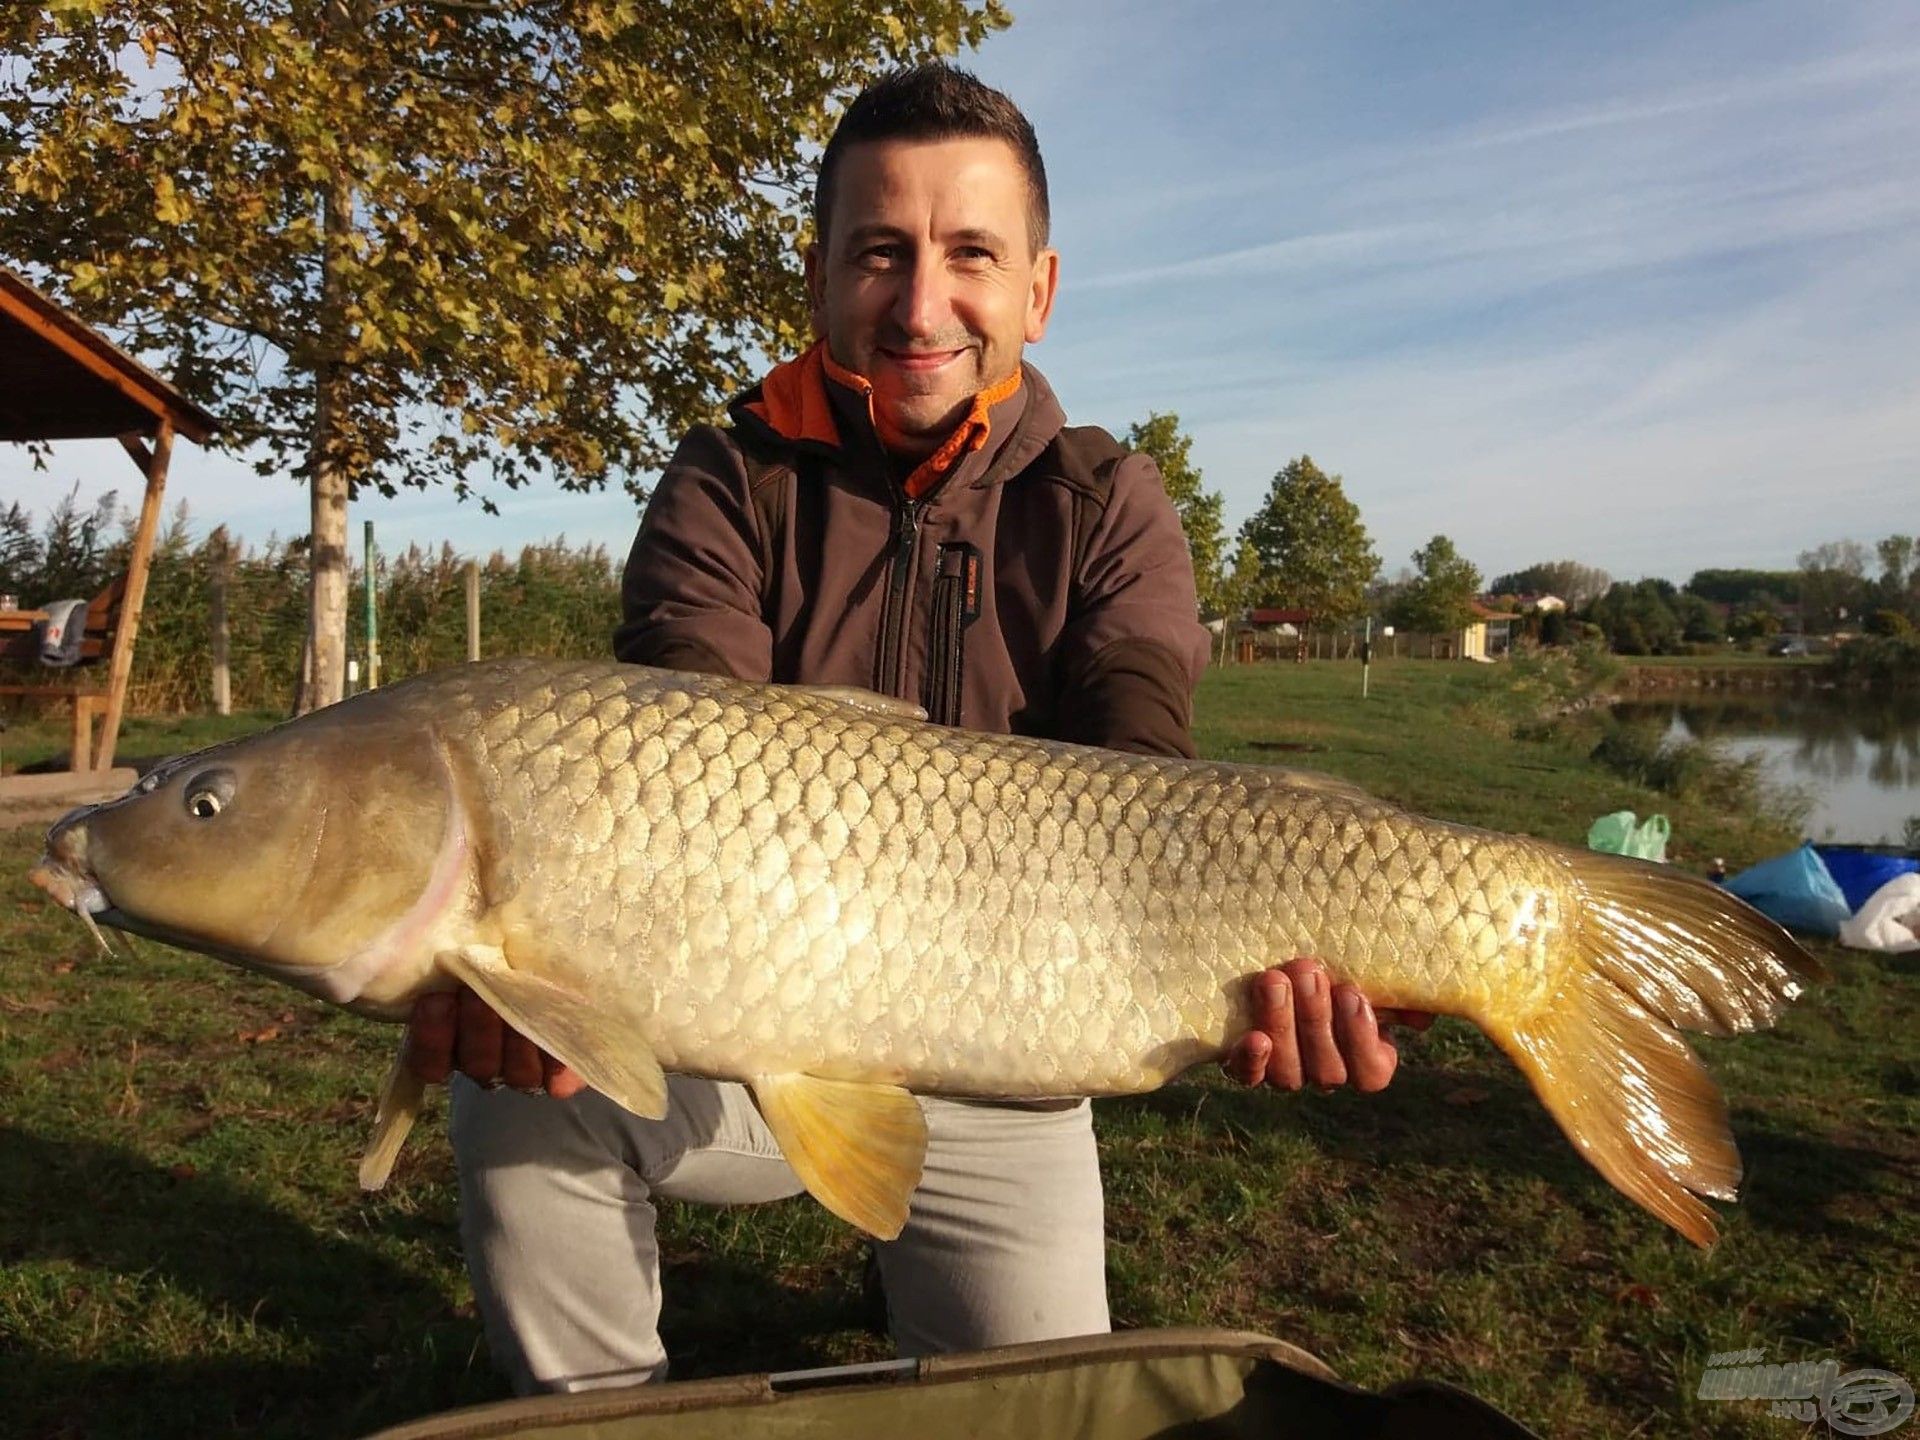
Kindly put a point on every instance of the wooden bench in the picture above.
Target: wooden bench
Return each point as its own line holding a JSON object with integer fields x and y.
{"x": 81, "y": 684}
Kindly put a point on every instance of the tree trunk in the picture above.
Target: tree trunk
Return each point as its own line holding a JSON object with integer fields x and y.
{"x": 330, "y": 482}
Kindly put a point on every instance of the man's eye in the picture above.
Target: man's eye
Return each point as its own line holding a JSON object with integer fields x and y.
{"x": 879, "y": 257}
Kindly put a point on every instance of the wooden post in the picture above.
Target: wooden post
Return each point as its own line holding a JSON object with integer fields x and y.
{"x": 217, "y": 610}
{"x": 473, "y": 609}
{"x": 82, "y": 733}
{"x": 153, "y": 464}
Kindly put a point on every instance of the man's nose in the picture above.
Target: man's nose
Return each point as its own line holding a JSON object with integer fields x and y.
{"x": 924, "y": 302}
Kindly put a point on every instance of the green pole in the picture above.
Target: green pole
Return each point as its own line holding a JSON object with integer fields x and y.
{"x": 1366, "y": 657}
{"x": 373, "y": 618}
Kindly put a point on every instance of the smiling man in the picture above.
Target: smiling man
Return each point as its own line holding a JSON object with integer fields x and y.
{"x": 902, "y": 508}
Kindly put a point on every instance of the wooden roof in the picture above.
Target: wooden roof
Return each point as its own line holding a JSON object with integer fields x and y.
{"x": 62, "y": 380}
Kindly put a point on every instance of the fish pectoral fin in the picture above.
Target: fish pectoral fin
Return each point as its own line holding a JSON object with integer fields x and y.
{"x": 862, "y": 699}
{"x": 857, "y": 1147}
{"x": 590, "y": 1033}
{"x": 401, "y": 1099}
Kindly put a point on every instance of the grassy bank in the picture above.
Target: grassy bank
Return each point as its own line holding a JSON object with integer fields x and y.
{"x": 183, "y": 1250}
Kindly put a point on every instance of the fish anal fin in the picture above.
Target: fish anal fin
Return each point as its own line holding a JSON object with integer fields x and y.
{"x": 857, "y": 1147}
{"x": 1632, "y": 1097}
{"x": 401, "y": 1098}
{"x": 589, "y": 1033}
{"x": 862, "y": 699}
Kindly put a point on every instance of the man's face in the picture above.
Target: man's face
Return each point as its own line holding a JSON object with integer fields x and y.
{"x": 927, "y": 282}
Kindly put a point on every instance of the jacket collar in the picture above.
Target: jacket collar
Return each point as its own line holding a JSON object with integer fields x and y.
{"x": 812, "y": 404}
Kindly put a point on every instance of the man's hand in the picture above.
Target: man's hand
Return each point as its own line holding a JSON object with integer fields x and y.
{"x": 459, "y": 1031}
{"x": 1307, "y": 1032}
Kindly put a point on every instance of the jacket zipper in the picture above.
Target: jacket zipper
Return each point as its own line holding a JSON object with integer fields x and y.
{"x": 893, "y": 621}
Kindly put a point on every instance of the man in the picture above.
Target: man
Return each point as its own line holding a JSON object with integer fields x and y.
{"x": 901, "y": 508}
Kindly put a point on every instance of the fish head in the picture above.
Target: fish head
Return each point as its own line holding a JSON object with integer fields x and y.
{"x": 321, "y": 852}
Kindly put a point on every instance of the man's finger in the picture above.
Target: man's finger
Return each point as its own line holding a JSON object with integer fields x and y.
{"x": 430, "y": 1037}
{"x": 520, "y": 1062}
{"x": 1370, "y": 1056}
{"x": 562, "y": 1083}
{"x": 481, "y": 1039}
{"x": 1283, "y": 1061}
{"x": 1247, "y": 1060}
{"x": 1320, "y": 1062}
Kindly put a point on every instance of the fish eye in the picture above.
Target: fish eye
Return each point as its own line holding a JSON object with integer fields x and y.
{"x": 207, "y": 793}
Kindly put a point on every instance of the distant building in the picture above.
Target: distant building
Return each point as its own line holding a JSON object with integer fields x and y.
{"x": 1488, "y": 634}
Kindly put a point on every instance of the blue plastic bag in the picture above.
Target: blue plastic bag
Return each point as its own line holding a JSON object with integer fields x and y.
{"x": 1797, "y": 890}
{"x": 1859, "y": 873}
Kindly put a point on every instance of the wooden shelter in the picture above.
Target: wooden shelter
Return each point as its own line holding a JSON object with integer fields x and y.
{"x": 62, "y": 380}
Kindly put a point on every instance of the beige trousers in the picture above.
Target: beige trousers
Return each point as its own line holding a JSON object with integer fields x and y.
{"x": 1005, "y": 1240}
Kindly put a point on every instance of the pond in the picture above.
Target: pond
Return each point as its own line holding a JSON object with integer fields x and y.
{"x": 1855, "y": 754}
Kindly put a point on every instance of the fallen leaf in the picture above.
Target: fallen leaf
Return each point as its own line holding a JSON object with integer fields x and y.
{"x": 65, "y": 967}
{"x": 182, "y": 1171}
{"x": 1465, "y": 1095}
{"x": 260, "y": 1037}
{"x": 1643, "y": 1295}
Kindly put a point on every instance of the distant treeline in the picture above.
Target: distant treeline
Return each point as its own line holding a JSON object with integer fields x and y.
{"x": 551, "y": 599}
{"x": 1843, "y": 591}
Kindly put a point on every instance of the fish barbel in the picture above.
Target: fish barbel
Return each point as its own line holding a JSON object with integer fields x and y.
{"x": 819, "y": 894}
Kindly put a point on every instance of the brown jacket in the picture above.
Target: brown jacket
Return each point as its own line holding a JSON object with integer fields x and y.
{"x": 1037, "y": 582}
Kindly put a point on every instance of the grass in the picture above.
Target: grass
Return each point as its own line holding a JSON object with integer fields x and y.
{"x": 183, "y": 1250}
{"x": 45, "y": 743}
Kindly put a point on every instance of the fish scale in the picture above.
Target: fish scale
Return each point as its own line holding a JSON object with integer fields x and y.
{"x": 821, "y": 895}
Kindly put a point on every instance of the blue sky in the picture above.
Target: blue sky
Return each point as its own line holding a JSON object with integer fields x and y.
{"x": 1637, "y": 285}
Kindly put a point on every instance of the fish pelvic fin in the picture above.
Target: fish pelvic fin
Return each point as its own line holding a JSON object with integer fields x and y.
{"x": 401, "y": 1098}
{"x": 1657, "y": 951}
{"x": 596, "y": 1035}
{"x": 858, "y": 1147}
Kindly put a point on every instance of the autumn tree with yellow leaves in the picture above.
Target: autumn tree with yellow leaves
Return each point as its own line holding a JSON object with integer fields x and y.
{"x": 408, "y": 242}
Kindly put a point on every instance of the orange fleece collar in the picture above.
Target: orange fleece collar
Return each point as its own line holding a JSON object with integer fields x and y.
{"x": 794, "y": 401}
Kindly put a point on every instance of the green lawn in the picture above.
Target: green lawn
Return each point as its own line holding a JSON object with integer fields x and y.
{"x": 183, "y": 1250}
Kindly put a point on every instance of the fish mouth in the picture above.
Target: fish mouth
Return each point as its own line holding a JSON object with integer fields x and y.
{"x": 76, "y": 890}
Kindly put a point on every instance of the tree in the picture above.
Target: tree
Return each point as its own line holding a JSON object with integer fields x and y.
{"x": 1241, "y": 590}
{"x": 1313, "y": 551}
{"x": 1899, "y": 576}
{"x": 1832, "y": 581}
{"x": 1700, "y": 623}
{"x": 1579, "y": 585}
{"x": 404, "y": 242}
{"x": 1201, "y": 511}
{"x": 1746, "y": 587}
{"x": 1638, "y": 619}
{"x": 1439, "y": 598}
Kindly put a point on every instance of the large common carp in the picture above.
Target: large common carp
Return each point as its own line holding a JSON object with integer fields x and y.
{"x": 819, "y": 894}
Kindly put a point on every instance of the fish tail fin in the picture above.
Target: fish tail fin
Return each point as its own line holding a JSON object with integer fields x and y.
{"x": 1657, "y": 950}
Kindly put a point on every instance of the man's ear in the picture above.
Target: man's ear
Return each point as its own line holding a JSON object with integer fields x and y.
{"x": 814, "y": 264}
{"x": 1041, "y": 292}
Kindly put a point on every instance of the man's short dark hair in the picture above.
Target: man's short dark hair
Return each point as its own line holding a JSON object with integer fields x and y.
{"x": 935, "y": 101}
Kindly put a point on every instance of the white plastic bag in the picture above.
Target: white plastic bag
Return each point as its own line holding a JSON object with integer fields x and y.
{"x": 1889, "y": 921}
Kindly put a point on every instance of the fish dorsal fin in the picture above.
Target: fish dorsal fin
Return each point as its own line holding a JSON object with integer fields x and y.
{"x": 400, "y": 1100}
{"x": 857, "y": 1147}
{"x": 864, "y": 700}
{"x": 592, "y": 1034}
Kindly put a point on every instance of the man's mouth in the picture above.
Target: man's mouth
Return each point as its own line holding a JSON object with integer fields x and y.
{"x": 920, "y": 361}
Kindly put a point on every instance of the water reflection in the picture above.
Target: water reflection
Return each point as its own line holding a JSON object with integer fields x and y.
{"x": 1856, "y": 753}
